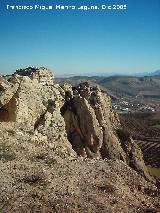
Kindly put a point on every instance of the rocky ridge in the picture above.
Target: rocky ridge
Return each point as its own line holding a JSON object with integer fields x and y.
{"x": 94, "y": 130}
{"x": 48, "y": 131}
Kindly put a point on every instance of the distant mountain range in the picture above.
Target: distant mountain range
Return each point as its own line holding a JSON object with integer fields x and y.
{"x": 156, "y": 73}
{"x": 100, "y": 74}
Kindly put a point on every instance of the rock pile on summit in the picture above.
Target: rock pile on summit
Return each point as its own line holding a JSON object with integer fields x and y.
{"x": 62, "y": 149}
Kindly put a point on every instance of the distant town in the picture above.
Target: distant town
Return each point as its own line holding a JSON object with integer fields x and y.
{"x": 123, "y": 105}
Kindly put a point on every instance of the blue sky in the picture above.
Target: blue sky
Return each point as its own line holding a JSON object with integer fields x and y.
{"x": 81, "y": 42}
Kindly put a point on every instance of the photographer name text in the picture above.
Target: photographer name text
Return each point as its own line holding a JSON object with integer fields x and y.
{"x": 66, "y": 7}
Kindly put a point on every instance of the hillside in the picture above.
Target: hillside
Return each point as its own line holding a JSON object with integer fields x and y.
{"x": 63, "y": 149}
{"x": 128, "y": 86}
{"x": 145, "y": 129}
{"x": 156, "y": 73}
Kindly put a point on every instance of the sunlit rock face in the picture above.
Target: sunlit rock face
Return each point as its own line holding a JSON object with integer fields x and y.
{"x": 94, "y": 129}
{"x": 79, "y": 120}
{"x": 62, "y": 149}
{"x": 31, "y": 101}
{"x": 42, "y": 75}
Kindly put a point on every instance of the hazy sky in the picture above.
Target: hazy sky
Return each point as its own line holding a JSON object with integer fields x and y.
{"x": 99, "y": 41}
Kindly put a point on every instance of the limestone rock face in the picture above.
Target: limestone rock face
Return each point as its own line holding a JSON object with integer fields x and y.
{"x": 41, "y": 75}
{"x": 7, "y": 90}
{"x": 94, "y": 130}
{"x": 30, "y": 103}
{"x": 74, "y": 121}
{"x": 62, "y": 149}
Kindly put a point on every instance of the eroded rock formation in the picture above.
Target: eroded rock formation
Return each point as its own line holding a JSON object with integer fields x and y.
{"x": 62, "y": 149}
{"x": 30, "y": 99}
{"x": 94, "y": 130}
{"x": 30, "y": 103}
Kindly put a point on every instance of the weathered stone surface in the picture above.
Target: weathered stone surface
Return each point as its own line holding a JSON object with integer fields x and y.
{"x": 92, "y": 127}
{"x": 42, "y": 75}
{"x": 7, "y": 90}
{"x": 30, "y": 99}
{"x": 44, "y": 131}
{"x": 34, "y": 106}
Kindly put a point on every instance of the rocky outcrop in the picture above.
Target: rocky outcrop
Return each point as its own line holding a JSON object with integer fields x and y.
{"x": 41, "y": 75}
{"x": 94, "y": 130}
{"x": 62, "y": 149}
{"x": 30, "y": 103}
{"x": 7, "y": 90}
